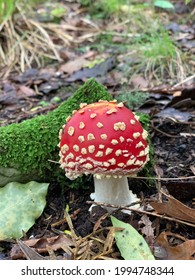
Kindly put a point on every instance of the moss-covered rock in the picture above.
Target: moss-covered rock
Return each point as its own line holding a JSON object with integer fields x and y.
{"x": 27, "y": 148}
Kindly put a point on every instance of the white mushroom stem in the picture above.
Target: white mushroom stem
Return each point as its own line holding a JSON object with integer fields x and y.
{"x": 113, "y": 191}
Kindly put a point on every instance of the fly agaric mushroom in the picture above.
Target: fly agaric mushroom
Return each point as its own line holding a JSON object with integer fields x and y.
{"x": 104, "y": 139}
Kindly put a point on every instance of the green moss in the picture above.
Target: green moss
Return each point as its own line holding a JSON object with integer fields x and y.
{"x": 132, "y": 99}
{"x": 28, "y": 146}
{"x": 148, "y": 169}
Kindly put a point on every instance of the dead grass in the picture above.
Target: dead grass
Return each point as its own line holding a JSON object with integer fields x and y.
{"x": 162, "y": 68}
{"x": 159, "y": 56}
{"x": 26, "y": 42}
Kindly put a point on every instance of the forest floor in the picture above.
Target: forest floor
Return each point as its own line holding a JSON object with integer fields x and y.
{"x": 165, "y": 91}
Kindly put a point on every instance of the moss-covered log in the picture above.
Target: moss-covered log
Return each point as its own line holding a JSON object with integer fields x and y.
{"x": 27, "y": 148}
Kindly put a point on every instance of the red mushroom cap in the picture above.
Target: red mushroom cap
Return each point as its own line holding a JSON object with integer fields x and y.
{"x": 103, "y": 139}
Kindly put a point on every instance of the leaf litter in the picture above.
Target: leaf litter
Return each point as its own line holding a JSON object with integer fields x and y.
{"x": 97, "y": 245}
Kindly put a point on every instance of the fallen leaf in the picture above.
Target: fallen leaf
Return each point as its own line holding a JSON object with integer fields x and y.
{"x": 28, "y": 74}
{"x": 99, "y": 70}
{"x": 76, "y": 64}
{"x": 131, "y": 244}
{"x": 163, "y": 250}
{"x": 146, "y": 228}
{"x": 20, "y": 206}
{"x": 41, "y": 245}
{"x": 66, "y": 55}
{"x": 173, "y": 26}
{"x": 48, "y": 87}
{"x": 185, "y": 99}
{"x": 72, "y": 66}
{"x": 29, "y": 253}
{"x": 25, "y": 91}
{"x": 8, "y": 99}
{"x": 174, "y": 208}
{"x": 175, "y": 114}
{"x": 139, "y": 82}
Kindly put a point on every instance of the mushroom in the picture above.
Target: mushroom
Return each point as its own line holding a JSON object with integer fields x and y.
{"x": 104, "y": 139}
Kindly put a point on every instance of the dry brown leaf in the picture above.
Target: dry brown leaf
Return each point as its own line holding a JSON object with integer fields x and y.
{"x": 25, "y": 91}
{"x": 139, "y": 82}
{"x": 174, "y": 208}
{"x": 183, "y": 251}
{"x": 74, "y": 65}
{"x": 147, "y": 229}
{"x": 40, "y": 245}
{"x": 28, "y": 252}
{"x": 185, "y": 99}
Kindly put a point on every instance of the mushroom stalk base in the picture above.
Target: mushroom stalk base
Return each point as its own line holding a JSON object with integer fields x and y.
{"x": 114, "y": 191}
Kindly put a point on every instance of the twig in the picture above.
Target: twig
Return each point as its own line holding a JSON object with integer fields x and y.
{"x": 188, "y": 134}
{"x": 126, "y": 35}
{"x": 64, "y": 220}
{"x": 42, "y": 110}
{"x": 158, "y": 183}
{"x": 175, "y": 121}
{"x": 163, "y": 178}
{"x": 184, "y": 81}
{"x": 140, "y": 211}
{"x": 162, "y": 132}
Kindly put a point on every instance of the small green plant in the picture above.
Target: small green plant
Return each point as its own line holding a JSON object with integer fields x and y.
{"x": 163, "y": 4}
{"x": 111, "y": 6}
{"x": 159, "y": 55}
{"x": 103, "y": 8}
{"x": 58, "y": 12}
{"x": 132, "y": 99}
{"x": 6, "y": 9}
{"x": 158, "y": 45}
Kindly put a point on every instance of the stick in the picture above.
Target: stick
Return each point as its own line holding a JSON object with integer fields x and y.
{"x": 141, "y": 212}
